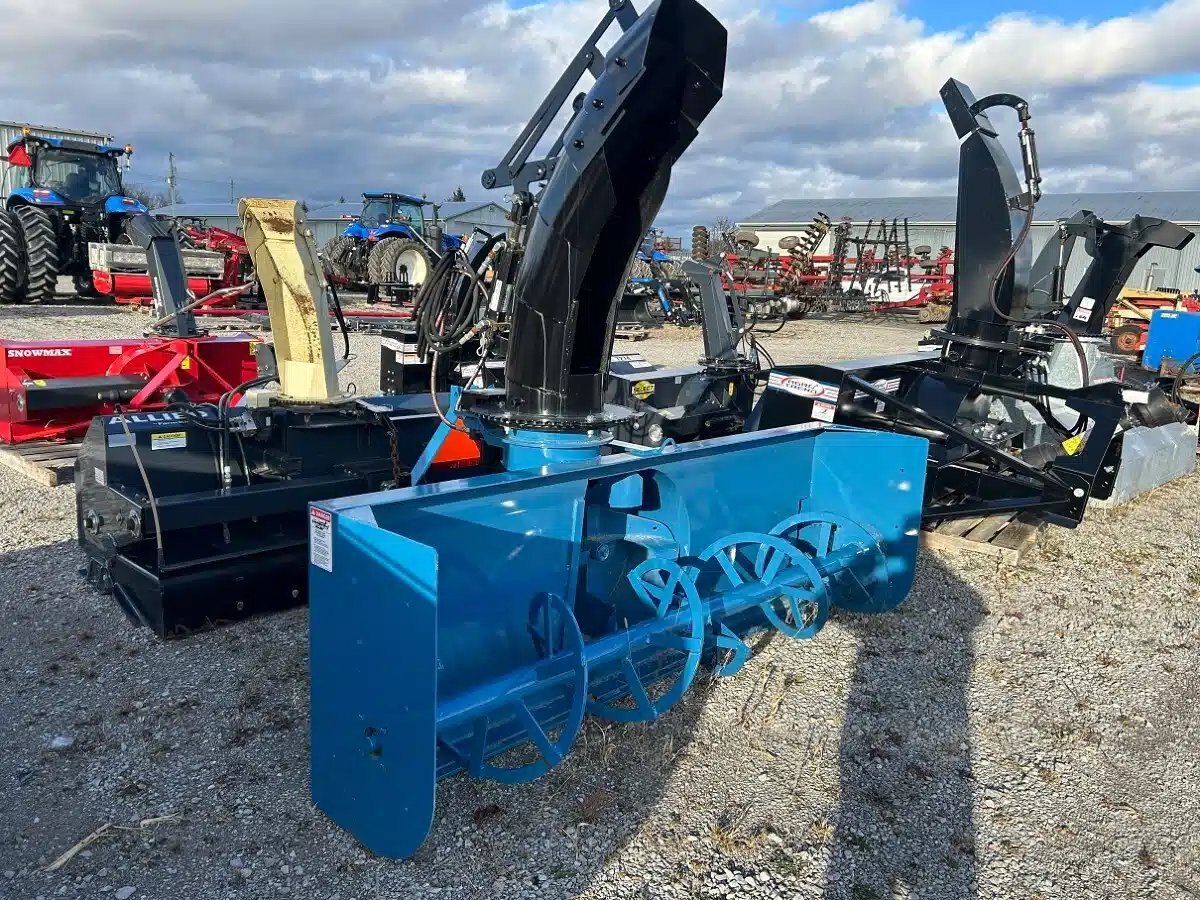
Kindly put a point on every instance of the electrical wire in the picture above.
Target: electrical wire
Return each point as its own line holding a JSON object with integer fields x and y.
{"x": 189, "y": 412}
{"x": 223, "y": 417}
{"x": 188, "y": 307}
{"x": 137, "y": 459}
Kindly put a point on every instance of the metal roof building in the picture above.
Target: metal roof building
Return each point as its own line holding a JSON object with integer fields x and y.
{"x": 329, "y": 219}
{"x": 931, "y": 222}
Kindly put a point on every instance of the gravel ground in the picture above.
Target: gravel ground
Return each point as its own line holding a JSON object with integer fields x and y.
{"x": 1006, "y": 733}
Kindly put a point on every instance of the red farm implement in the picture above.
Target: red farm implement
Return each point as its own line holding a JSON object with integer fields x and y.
{"x": 216, "y": 260}
{"x": 53, "y": 389}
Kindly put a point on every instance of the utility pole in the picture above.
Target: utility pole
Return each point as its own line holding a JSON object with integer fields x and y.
{"x": 232, "y": 195}
{"x": 171, "y": 181}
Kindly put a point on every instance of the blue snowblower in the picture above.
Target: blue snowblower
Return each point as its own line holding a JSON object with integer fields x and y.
{"x": 471, "y": 625}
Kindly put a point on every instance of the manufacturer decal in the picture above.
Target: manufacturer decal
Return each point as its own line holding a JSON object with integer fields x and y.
{"x": 28, "y": 352}
{"x": 643, "y": 390}
{"x": 633, "y": 360}
{"x": 150, "y": 418}
{"x": 802, "y": 387}
{"x": 168, "y": 440}
{"x": 320, "y": 539}
{"x": 887, "y": 385}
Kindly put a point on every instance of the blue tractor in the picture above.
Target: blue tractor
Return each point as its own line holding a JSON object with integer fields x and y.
{"x": 390, "y": 245}
{"x": 61, "y": 198}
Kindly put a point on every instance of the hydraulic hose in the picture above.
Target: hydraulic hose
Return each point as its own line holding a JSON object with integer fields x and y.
{"x": 1180, "y": 376}
{"x": 337, "y": 312}
{"x": 1032, "y": 186}
{"x": 445, "y": 308}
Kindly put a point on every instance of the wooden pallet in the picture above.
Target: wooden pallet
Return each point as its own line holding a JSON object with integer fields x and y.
{"x": 47, "y": 462}
{"x": 632, "y": 332}
{"x": 1007, "y": 536}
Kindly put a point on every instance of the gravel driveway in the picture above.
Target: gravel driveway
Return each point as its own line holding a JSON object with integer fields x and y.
{"x": 1006, "y": 733}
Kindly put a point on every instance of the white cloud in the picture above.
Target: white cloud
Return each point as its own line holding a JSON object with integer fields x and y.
{"x": 317, "y": 100}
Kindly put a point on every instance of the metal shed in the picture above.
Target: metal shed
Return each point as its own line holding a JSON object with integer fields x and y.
{"x": 931, "y": 222}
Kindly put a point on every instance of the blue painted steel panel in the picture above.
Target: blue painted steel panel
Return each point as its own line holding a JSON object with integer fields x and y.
{"x": 1174, "y": 336}
{"x": 36, "y": 197}
{"x": 452, "y": 622}
{"x": 123, "y": 206}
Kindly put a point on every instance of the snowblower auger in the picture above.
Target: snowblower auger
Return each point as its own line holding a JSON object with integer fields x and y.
{"x": 453, "y": 624}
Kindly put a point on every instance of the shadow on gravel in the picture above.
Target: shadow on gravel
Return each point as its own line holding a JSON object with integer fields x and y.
{"x": 105, "y": 725}
{"x": 905, "y": 825}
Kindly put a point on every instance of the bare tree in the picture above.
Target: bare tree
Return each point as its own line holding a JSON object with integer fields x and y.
{"x": 149, "y": 197}
{"x": 720, "y": 240}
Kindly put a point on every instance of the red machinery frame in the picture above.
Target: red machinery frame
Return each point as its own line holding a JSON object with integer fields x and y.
{"x": 134, "y": 288}
{"x": 937, "y": 284}
{"x": 51, "y": 390}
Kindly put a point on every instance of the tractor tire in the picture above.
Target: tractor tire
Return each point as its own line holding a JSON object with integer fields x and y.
{"x": 41, "y": 253}
{"x": 337, "y": 254}
{"x": 398, "y": 260}
{"x": 12, "y": 259}
{"x": 1127, "y": 339}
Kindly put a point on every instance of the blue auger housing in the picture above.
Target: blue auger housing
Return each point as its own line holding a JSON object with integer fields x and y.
{"x": 455, "y": 622}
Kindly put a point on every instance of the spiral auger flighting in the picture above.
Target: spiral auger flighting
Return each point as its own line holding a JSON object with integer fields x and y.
{"x": 696, "y": 611}
{"x": 484, "y": 623}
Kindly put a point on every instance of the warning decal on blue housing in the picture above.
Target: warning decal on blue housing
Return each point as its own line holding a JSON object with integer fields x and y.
{"x": 320, "y": 539}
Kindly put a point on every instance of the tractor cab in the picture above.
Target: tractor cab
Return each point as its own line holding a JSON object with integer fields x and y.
{"x": 380, "y": 210}
{"x": 65, "y": 214}
{"x": 61, "y": 173}
{"x": 387, "y": 215}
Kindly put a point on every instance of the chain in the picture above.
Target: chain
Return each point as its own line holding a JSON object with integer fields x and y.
{"x": 398, "y": 471}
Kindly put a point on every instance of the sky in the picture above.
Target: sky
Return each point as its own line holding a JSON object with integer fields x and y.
{"x": 316, "y": 100}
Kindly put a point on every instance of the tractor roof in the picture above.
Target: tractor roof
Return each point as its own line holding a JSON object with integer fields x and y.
{"x": 392, "y": 195}
{"x": 68, "y": 144}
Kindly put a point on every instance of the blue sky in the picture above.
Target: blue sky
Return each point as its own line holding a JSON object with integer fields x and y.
{"x": 977, "y": 13}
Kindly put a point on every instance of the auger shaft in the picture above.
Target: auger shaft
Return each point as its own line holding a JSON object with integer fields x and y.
{"x": 611, "y": 650}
